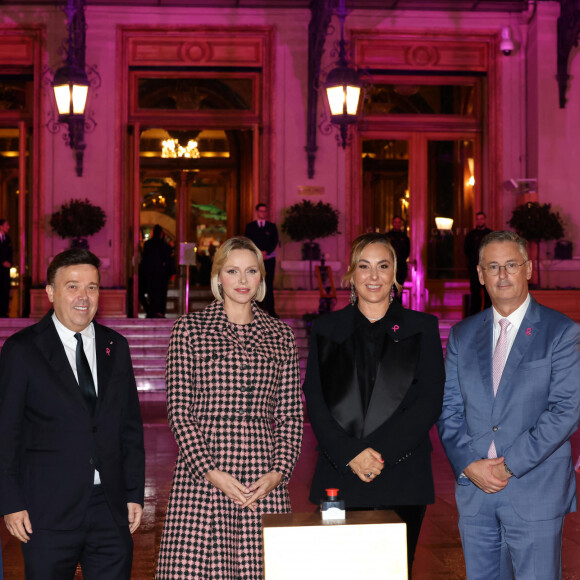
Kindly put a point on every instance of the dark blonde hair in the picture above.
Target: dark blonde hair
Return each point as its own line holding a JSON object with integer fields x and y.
{"x": 221, "y": 257}
{"x": 356, "y": 249}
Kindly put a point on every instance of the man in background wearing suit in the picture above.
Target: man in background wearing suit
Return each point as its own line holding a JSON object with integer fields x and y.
{"x": 265, "y": 235}
{"x": 5, "y": 264}
{"x": 511, "y": 404}
{"x": 471, "y": 246}
{"x": 72, "y": 460}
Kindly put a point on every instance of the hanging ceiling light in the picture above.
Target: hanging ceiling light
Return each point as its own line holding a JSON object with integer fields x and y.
{"x": 170, "y": 148}
{"x": 343, "y": 86}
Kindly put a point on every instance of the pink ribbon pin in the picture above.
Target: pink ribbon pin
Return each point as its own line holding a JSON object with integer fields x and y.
{"x": 529, "y": 331}
{"x": 108, "y": 351}
{"x": 395, "y": 328}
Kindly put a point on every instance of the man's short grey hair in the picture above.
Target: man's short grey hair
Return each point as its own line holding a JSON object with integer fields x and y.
{"x": 504, "y": 236}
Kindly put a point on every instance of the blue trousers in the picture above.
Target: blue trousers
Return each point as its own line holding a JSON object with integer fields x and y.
{"x": 499, "y": 545}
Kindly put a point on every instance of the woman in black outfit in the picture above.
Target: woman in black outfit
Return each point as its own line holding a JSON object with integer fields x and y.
{"x": 374, "y": 388}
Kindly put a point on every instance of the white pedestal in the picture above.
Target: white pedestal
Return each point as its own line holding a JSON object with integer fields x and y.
{"x": 370, "y": 544}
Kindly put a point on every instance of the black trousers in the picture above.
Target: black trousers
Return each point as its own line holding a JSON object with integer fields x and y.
{"x": 268, "y": 303}
{"x": 103, "y": 549}
{"x": 4, "y": 291}
{"x": 477, "y": 291}
{"x": 413, "y": 516}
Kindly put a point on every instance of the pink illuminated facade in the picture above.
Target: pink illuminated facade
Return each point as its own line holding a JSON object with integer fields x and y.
{"x": 451, "y": 126}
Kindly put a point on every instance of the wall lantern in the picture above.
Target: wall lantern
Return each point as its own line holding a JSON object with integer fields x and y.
{"x": 343, "y": 86}
{"x": 444, "y": 225}
{"x": 71, "y": 88}
{"x": 71, "y": 84}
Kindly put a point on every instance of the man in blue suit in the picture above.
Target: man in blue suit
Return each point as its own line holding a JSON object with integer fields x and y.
{"x": 509, "y": 442}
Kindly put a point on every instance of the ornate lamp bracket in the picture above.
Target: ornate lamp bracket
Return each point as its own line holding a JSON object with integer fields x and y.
{"x": 71, "y": 83}
{"x": 317, "y": 30}
{"x": 568, "y": 36}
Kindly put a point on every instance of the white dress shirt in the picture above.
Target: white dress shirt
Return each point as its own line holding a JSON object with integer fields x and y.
{"x": 69, "y": 342}
{"x": 515, "y": 318}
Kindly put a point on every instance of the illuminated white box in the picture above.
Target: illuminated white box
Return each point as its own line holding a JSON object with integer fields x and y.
{"x": 370, "y": 544}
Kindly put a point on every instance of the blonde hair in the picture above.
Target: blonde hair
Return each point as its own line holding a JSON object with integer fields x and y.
{"x": 356, "y": 249}
{"x": 221, "y": 257}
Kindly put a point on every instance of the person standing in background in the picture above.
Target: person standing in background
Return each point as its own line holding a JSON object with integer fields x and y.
{"x": 5, "y": 265}
{"x": 399, "y": 239}
{"x": 157, "y": 267}
{"x": 471, "y": 247}
{"x": 265, "y": 235}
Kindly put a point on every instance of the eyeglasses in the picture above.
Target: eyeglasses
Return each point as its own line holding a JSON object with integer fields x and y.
{"x": 511, "y": 268}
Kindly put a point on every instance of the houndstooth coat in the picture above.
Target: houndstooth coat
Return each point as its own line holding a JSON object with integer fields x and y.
{"x": 234, "y": 404}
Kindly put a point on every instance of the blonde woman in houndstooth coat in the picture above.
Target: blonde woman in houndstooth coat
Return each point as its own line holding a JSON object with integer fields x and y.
{"x": 234, "y": 405}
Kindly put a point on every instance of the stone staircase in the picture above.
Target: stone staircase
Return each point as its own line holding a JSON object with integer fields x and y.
{"x": 148, "y": 339}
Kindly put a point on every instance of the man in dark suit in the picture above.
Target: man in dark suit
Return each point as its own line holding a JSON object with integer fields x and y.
{"x": 471, "y": 246}
{"x": 5, "y": 264}
{"x": 399, "y": 239}
{"x": 511, "y": 404}
{"x": 72, "y": 460}
{"x": 265, "y": 235}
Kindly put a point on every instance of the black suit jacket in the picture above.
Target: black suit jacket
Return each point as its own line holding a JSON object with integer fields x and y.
{"x": 50, "y": 444}
{"x": 6, "y": 250}
{"x": 405, "y": 403}
{"x": 265, "y": 238}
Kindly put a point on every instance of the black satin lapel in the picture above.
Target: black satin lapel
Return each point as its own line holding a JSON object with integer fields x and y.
{"x": 105, "y": 351}
{"x": 51, "y": 347}
{"x": 394, "y": 378}
{"x": 340, "y": 384}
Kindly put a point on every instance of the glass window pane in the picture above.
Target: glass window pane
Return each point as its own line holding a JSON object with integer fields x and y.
{"x": 386, "y": 182}
{"x": 15, "y": 92}
{"x": 420, "y": 99}
{"x": 195, "y": 94}
{"x": 451, "y": 183}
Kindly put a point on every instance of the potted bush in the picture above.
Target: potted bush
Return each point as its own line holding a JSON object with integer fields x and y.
{"x": 536, "y": 223}
{"x": 78, "y": 219}
{"x": 307, "y": 221}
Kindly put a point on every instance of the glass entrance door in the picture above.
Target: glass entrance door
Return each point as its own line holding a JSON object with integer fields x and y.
{"x": 422, "y": 177}
{"x": 14, "y": 207}
{"x": 187, "y": 186}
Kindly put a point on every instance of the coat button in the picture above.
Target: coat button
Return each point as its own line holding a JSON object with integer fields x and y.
{"x": 91, "y": 461}
{"x": 495, "y": 428}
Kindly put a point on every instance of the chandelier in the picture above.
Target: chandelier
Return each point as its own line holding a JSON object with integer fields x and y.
{"x": 171, "y": 149}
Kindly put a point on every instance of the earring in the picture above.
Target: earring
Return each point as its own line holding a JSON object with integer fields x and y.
{"x": 393, "y": 294}
{"x": 352, "y": 294}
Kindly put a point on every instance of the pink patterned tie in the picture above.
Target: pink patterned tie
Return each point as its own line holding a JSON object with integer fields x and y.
{"x": 498, "y": 363}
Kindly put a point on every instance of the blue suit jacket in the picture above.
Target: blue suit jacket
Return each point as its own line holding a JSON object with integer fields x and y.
{"x": 531, "y": 419}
